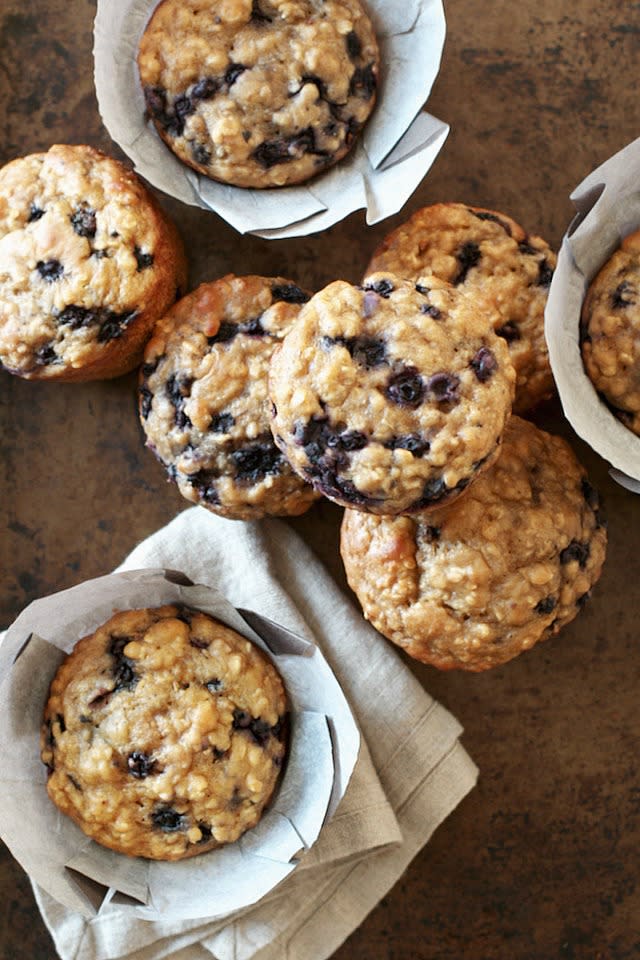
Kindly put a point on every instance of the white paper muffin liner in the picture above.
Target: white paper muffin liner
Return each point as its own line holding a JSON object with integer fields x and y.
{"x": 393, "y": 153}
{"x": 608, "y": 205}
{"x": 82, "y": 875}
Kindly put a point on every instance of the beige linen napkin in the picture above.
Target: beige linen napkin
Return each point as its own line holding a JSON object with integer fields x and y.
{"x": 411, "y": 772}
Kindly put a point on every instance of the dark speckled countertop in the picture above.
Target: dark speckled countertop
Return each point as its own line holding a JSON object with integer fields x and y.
{"x": 542, "y": 859}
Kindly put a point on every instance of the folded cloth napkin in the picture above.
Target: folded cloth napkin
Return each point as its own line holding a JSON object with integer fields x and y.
{"x": 411, "y": 772}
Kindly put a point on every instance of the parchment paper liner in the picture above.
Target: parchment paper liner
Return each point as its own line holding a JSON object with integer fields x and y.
{"x": 608, "y": 204}
{"x": 394, "y": 151}
{"x": 84, "y": 876}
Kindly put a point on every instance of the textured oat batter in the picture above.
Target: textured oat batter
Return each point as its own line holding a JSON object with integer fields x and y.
{"x": 474, "y": 584}
{"x": 88, "y": 263}
{"x": 610, "y": 332}
{"x": 164, "y": 733}
{"x": 203, "y": 397}
{"x": 259, "y": 93}
{"x": 391, "y": 397}
{"x": 485, "y": 254}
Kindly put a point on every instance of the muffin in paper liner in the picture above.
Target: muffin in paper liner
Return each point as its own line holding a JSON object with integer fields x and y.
{"x": 323, "y": 748}
{"x": 608, "y": 205}
{"x": 394, "y": 151}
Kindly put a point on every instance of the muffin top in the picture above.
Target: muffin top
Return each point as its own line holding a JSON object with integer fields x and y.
{"x": 86, "y": 258}
{"x": 259, "y": 93}
{"x": 610, "y": 332}
{"x": 203, "y": 397}
{"x": 164, "y": 733}
{"x": 393, "y": 396}
{"x": 475, "y": 583}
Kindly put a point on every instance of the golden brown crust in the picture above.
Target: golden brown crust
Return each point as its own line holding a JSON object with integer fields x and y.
{"x": 164, "y": 733}
{"x": 489, "y": 256}
{"x": 259, "y": 93}
{"x": 203, "y": 397}
{"x": 610, "y": 332}
{"x": 89, "y": 261}
{"x": 472, "y": 585}
{"x": 391, "y": 397}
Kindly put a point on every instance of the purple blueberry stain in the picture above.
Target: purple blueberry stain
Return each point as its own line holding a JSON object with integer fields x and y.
{"x": 221, "y": 423}
{"x": 413, "y": 442}
{"x": 363, "y": 82}
{"x": 252, "y": 464}
{"x": 205, "y": 89}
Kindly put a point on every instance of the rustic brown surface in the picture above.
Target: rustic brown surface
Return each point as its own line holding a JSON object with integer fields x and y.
{"x": 541, "y": 860}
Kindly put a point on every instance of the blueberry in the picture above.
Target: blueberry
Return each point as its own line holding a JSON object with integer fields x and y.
{"x": 317, "y": 82}
{"x": 140, "y": 765}
{"x": 221, "y": 423}
{"x": 622, "y": 296}
{"x": 413, "y": 442}
{"x": 431, "y": 311}
{"x": 253, "y": 328}
{"x": 484, "y": 364}
{"x": 406, "y": 388}
{"x": 143, "y": 260}
{"x": 241, "y": 719}
{"x": 256, "y": 462}
{"x": 354, "y": 46}
{"x": 113, "y": 325}
{"x": 35, "y": 212}
{"x": 545, "y": 274}
{"x": 46, "y": 355}
{"x": 123, "y": 669}
{"x": 431, "y": 534}
{"x": 363, "y": 82}
{"x": 468, "y": 256}
{"x": 226, "y": 332}
{"x": 257, "y": 15}
{"x": 206, "y": 832}
{"x": 576, "y": 550}
{"x": 214, "y": 685}
{"x": 444, "y": 387}
{"x": 205, "y": 88}
{"x": 486, "y": 215}
{"x": 233, "y": 72}
{"x": 168, "y": 820}
{"x": 199, "y": 644}
{"x": 290, "y": 293}
{"x": 178, "y": 389}
{"x": 384, "y": 288}
{"x": 590, "y": 494}
{"x": 509, "y": 331}
{"x": 200, "y": 153}
{"x": 83, "y": 221}
{"x": 50, "y": 270}
{"x": 546, "y": 605}
{"x": 272, "y": 152}
{"x": 146, "y": 399}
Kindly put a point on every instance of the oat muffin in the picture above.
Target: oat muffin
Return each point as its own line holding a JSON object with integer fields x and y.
{"x": 259, "y": 93}
{"x": 203, "y": 397}
{"x": 486, "y": 254}
{"x": 610, "y": 332}
{"x": 391, "y": 397}
{"x": 88, "y": 263}
{"x": 163, "y": 734}
{"x": 474, "y": 584}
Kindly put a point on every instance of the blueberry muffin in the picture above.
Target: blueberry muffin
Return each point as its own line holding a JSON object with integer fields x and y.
{"x": 88, "y": 263}
{"x": 472, "y": 585}
{"x": 391, "y": 397}
{"x": 259, "y": 93}
{"x": 163, "y": 734}
{"x": 486, "y": 254}
{"x": 610, "y": 332}
{"x": 203, "y": 397}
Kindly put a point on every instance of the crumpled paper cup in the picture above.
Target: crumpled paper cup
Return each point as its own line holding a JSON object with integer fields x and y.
{"x": 608, "y": 205}
{"x": 82, "y": 875}
{"x": 392, "y": 155}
